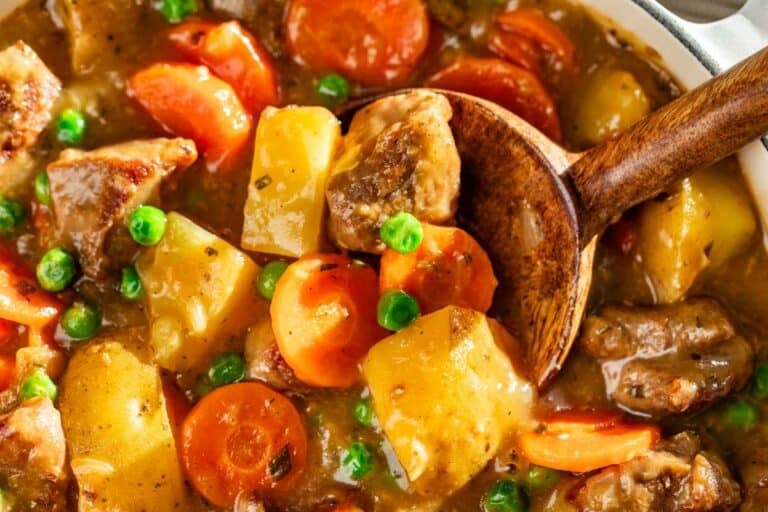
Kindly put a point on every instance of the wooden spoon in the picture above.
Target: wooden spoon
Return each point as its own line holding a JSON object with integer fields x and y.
{"x": 538, "y": 209}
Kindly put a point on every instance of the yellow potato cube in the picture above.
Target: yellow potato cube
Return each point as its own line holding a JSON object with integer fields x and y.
{"x": 446, "y": 393}
{"x": 121, "y": 445}
{"x": 285, "y": 210}
{"x": 200, "y": 290}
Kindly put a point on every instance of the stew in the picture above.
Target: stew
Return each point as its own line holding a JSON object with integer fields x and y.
{"x": 215, "y": 295}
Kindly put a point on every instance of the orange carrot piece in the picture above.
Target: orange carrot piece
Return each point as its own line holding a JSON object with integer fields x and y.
{"x": 448, "y": 268}
{"x": 21, "y": 298}
{"x": 189, "y": 101}
{"x": 235, "y": 56}
{"x": 512, "y": 87}
{"x": 583, "y": 445}
{"x": 516, "y": 50}
{"x": 532, "y": 24}
{"x": 243, "y": 438}
{"x": 324, "y": 318}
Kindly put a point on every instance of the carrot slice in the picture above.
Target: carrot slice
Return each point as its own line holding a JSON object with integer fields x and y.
{"x": 235, "y": 56}
{"x": 21, "y": 299}
{"x": 7, "y": 331}
{"x": 534, "y": 25}
{"x": 176, "y": 405}
{"x": 374, "y": 42}
{"x": 324, "y": 318}
{"x": 7, "y": 369}
{"x": 190, "y": 102}
{"x": 586, "y": 444}
{"x": 512, "y": 87}
{"x": 448, "y": 268}
{"x": 517, "y": 50}
{"x": 243, "y": 438}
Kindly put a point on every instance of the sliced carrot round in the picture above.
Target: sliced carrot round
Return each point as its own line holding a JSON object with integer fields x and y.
{"x": 243, "y": 438}
{"x": 448, "y": 268}
{"x": 21, "y": 298}
{"x": 235, "y": 56}
{"x": 535, "y": 26}
{"x": 324, "y": 318}
{"x": 190, "y": 102}
{"x": 512, "y": 87}
{"x": 374, "y": 42}
{"x": 583, "y": 444}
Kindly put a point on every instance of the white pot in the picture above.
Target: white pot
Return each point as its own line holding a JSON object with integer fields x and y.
{"x": 694, "y": 52}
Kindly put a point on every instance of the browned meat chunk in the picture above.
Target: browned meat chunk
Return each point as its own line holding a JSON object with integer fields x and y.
{"x": 451, "y": 13}
{"x": 94, "y": 191}
{"x": 32, "y": 456}
{"x": 677, "y": 476}
{"x": 28, "y": 90}
{"x": 100, "y": 31}
{"x": 399, "y": 155}
{"x": 667, "y": 359}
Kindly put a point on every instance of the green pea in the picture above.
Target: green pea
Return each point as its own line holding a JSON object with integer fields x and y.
{"x": 505, "y": 496}
{"x": 397, "y": 310}
{"x": 742, "y": 414}
{"x": 81, "y": 321}
{"x": 357, "y": 461}
{"x": 760, "y": 381}
{"x": 226, "y": 369}
{"x": 43, "y": 189}
{"x": 38, "y": 383}
{"x": 540, "y": 478}
{"x": 56, "y": 270}
{"x": 363, "y": 412}
{"x": 269, "y": 277}
{"x": 402, "y": 232}
{"x": 147, "y": 225}
{"x": 176, "y": 10}
{"x": 70, "y": 126}
{"x": 130, "y": 284}
{"x": 332, "y": 89}
{"x": 11, "y": 215}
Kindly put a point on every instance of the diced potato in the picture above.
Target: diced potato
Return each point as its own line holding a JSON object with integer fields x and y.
{"x": 708, "y": 221}
{"x": 446, "y": 393}
{"x": 200, "y": 291}
{"x": 121, "y": 447}
{"x": 285, "y": 210}
{"x": 613, "y": 101}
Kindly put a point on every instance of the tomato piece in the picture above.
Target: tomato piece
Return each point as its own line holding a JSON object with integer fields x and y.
{"x": 235, "y": 56}
{"x": 448, "y": 268}
{"x": 583, "y": 444}
{"x": 243, "y": 438}
{"x": 21, "y": 299}
{"x": 7, "y": 370}
{"x": 372, "y": 41}
{"x": 512, "y": 87}
{"x": 189, "y": 101}
{"x": 517, "y": 50}
{"x": 324, "y": 318}
{"x": 534, "y": 25}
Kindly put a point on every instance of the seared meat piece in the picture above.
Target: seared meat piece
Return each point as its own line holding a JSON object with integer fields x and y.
{"x": 28, "y": 90}
{"x": 451, "y": 13}
{"x": 676, "y": 476}
{"x": 100, "y": 31}
{"x": 263, "y": 358}
{"x": 263, "y": 17}
{"x": 94, "y": 191}
{"x": 32, "y": 456}
{"x": 399, "y": 155}
{"x": 667, "y": 359}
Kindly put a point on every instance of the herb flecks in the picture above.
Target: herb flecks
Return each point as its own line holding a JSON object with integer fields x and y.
{"x": 280, "y": 465}
{"x": 263, "y": 182}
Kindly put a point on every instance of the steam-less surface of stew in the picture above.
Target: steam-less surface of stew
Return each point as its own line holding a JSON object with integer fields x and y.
{"x": 214, "y": 298}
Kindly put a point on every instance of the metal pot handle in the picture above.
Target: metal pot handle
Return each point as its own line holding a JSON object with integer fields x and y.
{"x": 721, "y": 44}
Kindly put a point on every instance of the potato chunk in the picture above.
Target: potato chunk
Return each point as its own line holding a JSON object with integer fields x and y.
{"x": 705, "y": 223}
{"x": 120, "y": 441}
{"x": 285, "y": 210}
{"x": 446, "y": 393}
{"x": 613, "y": 101}
{"x": 199, "y": 288}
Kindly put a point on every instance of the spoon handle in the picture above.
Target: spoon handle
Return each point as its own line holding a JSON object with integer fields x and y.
{"x": 696, "y": 130}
